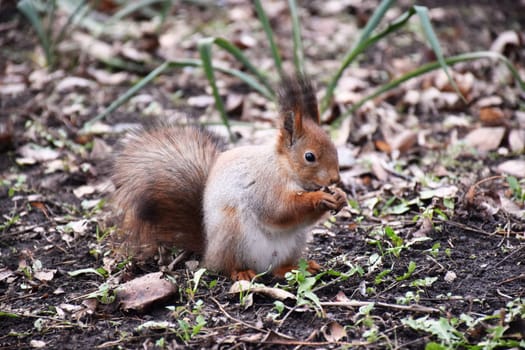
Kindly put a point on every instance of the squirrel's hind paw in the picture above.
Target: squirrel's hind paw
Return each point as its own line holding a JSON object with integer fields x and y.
{"x": 246, "y": 275}
{"x": 313, "y": 268}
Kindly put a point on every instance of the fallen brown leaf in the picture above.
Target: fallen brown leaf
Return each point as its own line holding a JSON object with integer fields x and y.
{"x": 333, "y": 332}
{"x": 492, "y": 116}
{"x": 403, "y": 141}
{"x": 142, "y": 292}
{"x": 44, "y": 275}
{"x": 517, "y": 140}
{"x": 513, "y": 167}
{"x": 425, "y": 230}
{"x": 245, "y": 286}
{"x": 485, "y": 139}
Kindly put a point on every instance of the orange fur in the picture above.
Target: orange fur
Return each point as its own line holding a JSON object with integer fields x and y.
{"x": 247, "y": 210}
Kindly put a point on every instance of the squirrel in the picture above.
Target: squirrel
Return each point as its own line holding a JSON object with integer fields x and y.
{"x": 245, "y": 210}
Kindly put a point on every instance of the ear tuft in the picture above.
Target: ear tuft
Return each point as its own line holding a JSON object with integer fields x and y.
{"x": 297, "y": 99}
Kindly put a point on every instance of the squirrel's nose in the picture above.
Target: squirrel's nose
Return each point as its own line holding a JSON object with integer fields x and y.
{"x": 335, "y": 178}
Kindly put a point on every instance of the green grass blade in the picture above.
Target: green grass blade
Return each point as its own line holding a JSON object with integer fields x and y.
{"x": 164, "y": 11}
{"x": 374, "y": 21}
{"x": 127, "y": 95}
{"x": 79, "y": 12}
{"x": 205, "y": 54}
{"x": 430, "y": 67}
{"x": 28, "y": 9}
{"x": 361, "y": 44}
{"x": 250, "y": 81}
{"x": 129, "y": 8}
{"x": 431, "y": 36}
{"x": 169, "y": 65}
{"x": 298, "y": 53}
{"x": 239, "y": 56}
{"x": 269, "y": 35}
{"x": 51, "y": 8}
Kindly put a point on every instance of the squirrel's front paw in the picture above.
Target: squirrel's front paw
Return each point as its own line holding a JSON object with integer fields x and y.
{"x": 334, "y": 201}
{"x": 340, "y": 199}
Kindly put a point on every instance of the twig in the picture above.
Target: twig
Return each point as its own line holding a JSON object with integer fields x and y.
{"x": 508, "y": 256}
{"x": 178, "y": 259}
{"x": 468, "y": 228}
{"x": 472, "y": 190}
{"x": 356, "y": 303}
{"x": 512, "y": 279}
{"x": 503, "y": 295}
{"x": 233, "y": 318}
{"x": 292, "y": 310}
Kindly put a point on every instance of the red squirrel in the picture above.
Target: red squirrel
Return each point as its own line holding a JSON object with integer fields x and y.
{"x": 246, "y": 210}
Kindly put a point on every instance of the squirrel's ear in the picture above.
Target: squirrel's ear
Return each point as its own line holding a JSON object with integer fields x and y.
{"x": 298, "y": 103}
{"x": 292, "y": 125}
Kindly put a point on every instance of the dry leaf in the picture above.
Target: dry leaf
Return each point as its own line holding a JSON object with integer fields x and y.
{"x": 12, "y": 89}
{"x": 341, "y": 297}
{"x": 383, "y": 146}
{"x": 490, "y": 101}
{"x": 33, "y": 153}
{"x": 425, "y": 230}
{"x": 441, "y": 192}
{"x": 504, "y": 39}
{"x": 95, "y": 48}
{"x": 54, "y": 166}
{"x": 70, "y": 83}
{"x": 103, "y": 76}
{"x": 101, "y": 187}
{"x": 90, "y": 304}
{"x": 275, "y": 293}
{"x": 37, "y": 344}
{"x": 101, "y": 150}
{"x": 201, "y": 101}
{"x": 485, "y": 139}
{"x": 5, "y": 273}
{"x": 333, "y": 332}
{"x": 79, "y": 227}
{"x": 70, "y": 308}
{"x": 135, "y": 55}
{"x": 252, "y": 338}
{"x": 234, "y": 103}
{"x": 517, "y": 140}
{"x": 511, "y": 207}
{"x": 403, "y": 141}
{"x": 513, "y": 167}
{"x": 492, "y": 116}
{"x": 142, "y": 292}
{"x": 44, "y": 275}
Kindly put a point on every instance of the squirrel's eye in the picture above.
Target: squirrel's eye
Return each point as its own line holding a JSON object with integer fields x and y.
{"x": 310, "y": 157}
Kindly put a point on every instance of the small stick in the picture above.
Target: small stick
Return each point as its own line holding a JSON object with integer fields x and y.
{"x": 356, "y": 303}
{"x": 233, "y": 318}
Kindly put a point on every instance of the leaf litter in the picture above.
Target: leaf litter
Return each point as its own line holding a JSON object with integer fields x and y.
{"x": 430, "y": 248}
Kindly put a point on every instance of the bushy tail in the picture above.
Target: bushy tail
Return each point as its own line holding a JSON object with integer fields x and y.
{"x": 160, "y": 175}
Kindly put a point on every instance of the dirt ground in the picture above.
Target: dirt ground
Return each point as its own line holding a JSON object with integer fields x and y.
{"x": 429, "y": 253}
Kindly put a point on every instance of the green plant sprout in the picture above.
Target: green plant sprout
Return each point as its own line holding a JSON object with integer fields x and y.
{"x": 190, "y": 321}
{"x": 451, "y": 332}
{"x": 41, "y": 14}
{"x": 305, "y": 282}
{"x": 518, "y": 192}
{"x": 105, "y": 294}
